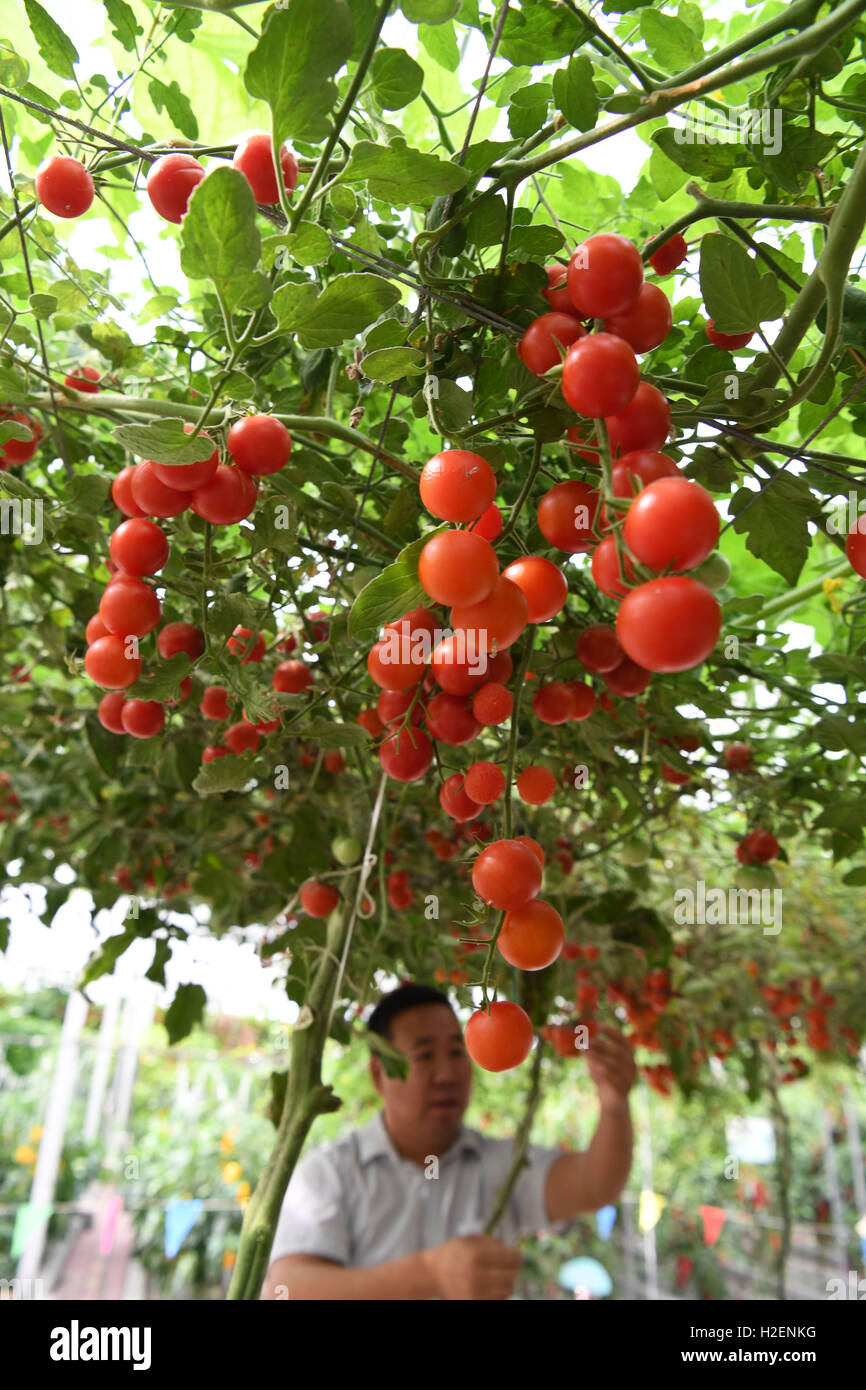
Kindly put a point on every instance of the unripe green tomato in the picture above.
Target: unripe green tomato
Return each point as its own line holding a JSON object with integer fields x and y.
{"x": 714, "y": 572}
{"x": 754, "y": 876}
{"x": 634, "y": 852}
{"x": 346, "y": 849}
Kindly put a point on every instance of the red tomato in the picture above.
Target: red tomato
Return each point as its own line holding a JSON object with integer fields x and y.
{"x": 246, "y": 645}
{"x": 532, "y": 845}
{"x": 458, "y": 567}
{"x": 292, "y": 677}
{"x": 242, "y": 737}
{"x": 729, "y": 341}
{"x": 539, "y": 348}
{"x": 489, "y": 524}
{"x": 647, "y": 323}
{"x": 215, "y": 703}
{"x": 484, "y": 783}
{"x": 454, "y": 800}
{"x": 109, "y": 709}
{"x": 121, "y": 492}
{"x": 644, "y": 423}
{"x": 228, "y": 497}
{"x": 738, "y": 757}
{"x": 184, "y": 477}
{"x": 535, "y": 785}
{"x": 143, "y": 718}
{"x": 318, "y": 899}
{"x": 670, "y": 254}
{"x": 500, "y": 1039}
{"x": 185, "y": 692}
{"x": 95, "y": 629}
{"x": 600, "y": 375}
{"x": 254, "y": 157}
{"x": 451, "y": 721}
{"x": 598, "y": 648}
{"x": 406, "y": 755}
{"x": 669, "y": 624}
{"x": 556, "y": 293}
{"x": 492, "y": 703}
{"x": 455, "y": 669}
{"x": 553, "y": 703}
{"x": 543, "y": 583}
{"x": 259, "y": 444}
{"x": 672, "y": 775}
{"x": 531, "y": 936}
{"x": 606, "y": 571}
{"x": 759, "y": 847}
{"x": 605, "y": 274}
{"x": 583, "y": 447}
{"x": 64, "y": 186}
{"x": 506, "y": 874}
{"x": 500, "y": 668}
{"x": 855, "y": 548}
{"x": 83, "y": 379}
{"x": 210, "y": 753}
{"x": 496, "y": 621}
{"x": 180, "y": 637}
{"x": 170, "y": 184}
{"x": 566, "y": 516}
{"x": 138, "y": 546}
{"x": 457, "y": 485}
{"x": 393, "y": 704}
{"x": 582, "y": 699}
{"x": 16, "y": 451}
{"x": 628, "y": 678}
{"x": 152, "y": 495}
{"x": 129, "y": 608}
{"x": 672, "y": 523}
{"x": 108, "y": 665}
{"x": 643, "y": 466}
{"x": 388, "y": 667}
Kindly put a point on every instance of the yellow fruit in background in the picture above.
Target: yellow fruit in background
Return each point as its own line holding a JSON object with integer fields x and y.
{"x": 229, "y": 1259}
{"x": 243, "y": 1191}
{"x": 227, "y": 1142}
{"x": 24, "y": 1154}
{"x": 232, "y": 1171}
{"x": 36, "y": 1134}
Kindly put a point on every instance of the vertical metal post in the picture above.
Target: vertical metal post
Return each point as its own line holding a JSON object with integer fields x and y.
{"x": 101, "y": 1064}
{"x": 649, "y": 1237}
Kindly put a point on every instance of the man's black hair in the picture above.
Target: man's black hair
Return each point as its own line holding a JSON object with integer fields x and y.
{"x": 398, "y": 1001}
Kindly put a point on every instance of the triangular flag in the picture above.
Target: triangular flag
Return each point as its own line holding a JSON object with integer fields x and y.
{"x": 650, "y": 1209}
{"x": 604, "y": 1219}
{"x": 863, "y": 1248}
{"x": 28, "y": 1218}
{"x": 109, "y": 1225}
{"x": 714, "y": 1220}
{"x": 180, "y": 1217}
{"x": 860, "y": 1227}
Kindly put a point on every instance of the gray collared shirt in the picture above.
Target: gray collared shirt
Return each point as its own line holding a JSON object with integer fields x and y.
{"x": 356, "y": 1201}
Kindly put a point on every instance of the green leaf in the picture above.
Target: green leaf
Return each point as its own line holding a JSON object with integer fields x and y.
{"x": 775, "y": 522}
{"x": 800, "y": 149}
{"x": 56, "y": 48}
{"x": 329, "y": 734}
{"x": 453, "y": 406}
{"x": 429, "y": 11}
{"x": 538, "y": 33}
{"x": 231, "y": 610}
{"x": 104, "y": 961}
{"x": 536, "y": 242}
{"x": 390, "y": 364}
{"x": 575, "y": 94}
{"x": 164, "y": 441}
{"x": 124, "y": 24}
{"x": 161, "y": 682}
{"x": 43, "y": 305}
{"x": 397, "y": 78}
{"x": 291, "y": 65}
{"x": 184, "y": 1012}
{"x": 441, "y": 43}
{"x": 402, "y": 176}
{"x": 393, "y": 592}
{"x": 14, "y": 70}
{"x": 394, "y": 1062}
{"x": 347, "y": 305}
{"x": 220, "y": 240}
{"x": 309, "y": 245}
{"x": 528, "y": 109}
{"x": 161, "y": 957}
{"x": 737, "y": 297}
{"x": 228, "y": 774}
{"x": 176, "y": 103}
{"x": 856, "y": 877}
{"x": 710, "y": 162}
{"x": 671, "y": 42}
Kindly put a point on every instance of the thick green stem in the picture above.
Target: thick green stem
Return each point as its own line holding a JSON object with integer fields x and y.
{"x": 521, "y": 1142}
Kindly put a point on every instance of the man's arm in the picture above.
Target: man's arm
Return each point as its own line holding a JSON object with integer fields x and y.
{"x": 581, "y": 1182}
{"x": 468, "y": 1267}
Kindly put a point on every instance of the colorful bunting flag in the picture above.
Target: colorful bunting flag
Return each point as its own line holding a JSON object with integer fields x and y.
{"x": 604, "y": 1219}
{"x": 180, "y": 1217}
{"x": 650, "y": 1209}
{"x": 28, "y": 1218}
{"x": 109, "y": 1225}
{"x": 714, "y": 1220}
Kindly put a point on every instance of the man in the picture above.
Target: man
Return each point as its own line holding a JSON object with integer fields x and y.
{"x": 395, "y": 1210}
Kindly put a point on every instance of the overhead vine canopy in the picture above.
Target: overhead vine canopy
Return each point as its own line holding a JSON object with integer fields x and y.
{"x": 373, "y": 302}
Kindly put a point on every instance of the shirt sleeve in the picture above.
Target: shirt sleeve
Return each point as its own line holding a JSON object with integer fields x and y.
{"x": 314, "y": 1218}
{"x": 529, "y": 1192}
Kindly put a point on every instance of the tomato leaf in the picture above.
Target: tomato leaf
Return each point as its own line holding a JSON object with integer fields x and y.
{"x": 341, "y": 311}
{"x": 575, "y": 94}
{"x": 161, "y": 957}
{"x": 104, "y": 961}
{"x": 55, "y": 46}
{"x": 164, "y": 441}
{"x": 161, "y": 682}
{"x": 221, "y": 242}
{"x": 184, "y": 1012}
{"x": 738, "y": 298}
{"x": 397, "y": 78}
{"x": 391, "y": 363}
{"x": 124, "y": 24}
{"x": 671, "y": 42}
{"x": 393, "y": 592}
{"x": 291, "y": 65}
{"x": 228, "y": 774}
{"x": 429, "y": 11}
{"x": 402, "y": 176}
{"x": 330, "y": 734}
{"x": 775, "y": 522}
{"x": 170, "y": 98}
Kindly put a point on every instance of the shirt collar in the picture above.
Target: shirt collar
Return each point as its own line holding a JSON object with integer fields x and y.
{"x": 375, "y": 1142}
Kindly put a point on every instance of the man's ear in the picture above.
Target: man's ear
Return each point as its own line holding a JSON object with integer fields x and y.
{"x": 376, "y": 1072}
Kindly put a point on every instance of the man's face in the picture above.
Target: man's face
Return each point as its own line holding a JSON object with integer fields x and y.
{"x": 433, "y": 1098}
